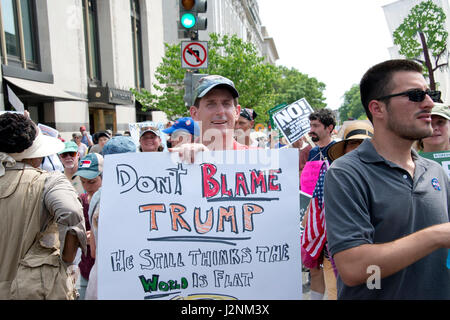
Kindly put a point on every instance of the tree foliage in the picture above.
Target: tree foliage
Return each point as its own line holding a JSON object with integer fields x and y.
{"x": 423, "y": 36}
{"x": 261, "y": 85}
{"x": 352, "y": 107}
{"x": 294, "y": 85}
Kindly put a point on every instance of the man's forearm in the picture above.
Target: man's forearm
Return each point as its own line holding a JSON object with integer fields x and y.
{"x": 391, "y": 257}
{"x": 71, "y": 245}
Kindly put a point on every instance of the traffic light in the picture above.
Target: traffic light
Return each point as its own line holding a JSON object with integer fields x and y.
{"x": 190, "y": 21}
{"x": 190, "y": 82}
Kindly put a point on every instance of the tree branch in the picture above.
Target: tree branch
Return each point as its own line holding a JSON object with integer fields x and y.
{"x": 440, "y": 66}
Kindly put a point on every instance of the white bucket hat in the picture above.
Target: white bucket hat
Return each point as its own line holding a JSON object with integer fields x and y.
{"x": 42, "y": 146}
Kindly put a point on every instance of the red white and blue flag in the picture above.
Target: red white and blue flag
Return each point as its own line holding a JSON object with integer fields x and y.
{"x": 314, "y": 236}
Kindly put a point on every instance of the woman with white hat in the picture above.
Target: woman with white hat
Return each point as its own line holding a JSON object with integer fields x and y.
{"x": 41, "y": 219}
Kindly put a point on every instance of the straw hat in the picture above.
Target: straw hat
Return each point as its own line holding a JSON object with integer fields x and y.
{"x": 42, "y": 146}
{"x": 355, "y": 130}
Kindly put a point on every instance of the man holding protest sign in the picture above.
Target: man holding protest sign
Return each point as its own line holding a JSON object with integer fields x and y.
{"x": 387, "y": 213}
{"x": 207, "y": 231}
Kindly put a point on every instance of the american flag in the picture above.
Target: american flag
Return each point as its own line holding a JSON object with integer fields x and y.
{"x": 314, "y": 236}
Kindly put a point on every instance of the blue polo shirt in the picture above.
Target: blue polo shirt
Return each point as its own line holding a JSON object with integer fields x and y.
{"x": 317, "y": 153}
{"x": 371, "y": 200}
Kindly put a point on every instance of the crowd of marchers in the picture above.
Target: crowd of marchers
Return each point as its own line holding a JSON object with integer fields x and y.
{"x": 377, "y": 204}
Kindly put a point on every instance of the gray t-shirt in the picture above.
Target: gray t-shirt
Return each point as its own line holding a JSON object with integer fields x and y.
{"x": 371, "y": 200}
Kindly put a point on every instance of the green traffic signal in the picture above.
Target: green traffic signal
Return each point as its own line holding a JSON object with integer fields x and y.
{"x": 188, "y": 20}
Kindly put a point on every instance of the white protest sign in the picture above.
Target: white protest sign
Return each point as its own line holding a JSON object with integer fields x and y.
{"x": 212, "y": 230}
{"x": 293, "y": 120}
{"x": 49, "y": 131}
{"x": 14, "y": 100}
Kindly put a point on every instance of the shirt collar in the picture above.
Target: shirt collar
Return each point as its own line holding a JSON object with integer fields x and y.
{"x": 367, "y": 153}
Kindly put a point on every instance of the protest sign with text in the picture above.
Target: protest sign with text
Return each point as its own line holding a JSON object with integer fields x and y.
{"x": 225, "y": 228}
{"x": 293, "y": 120}
{"x": 442, "y": 157}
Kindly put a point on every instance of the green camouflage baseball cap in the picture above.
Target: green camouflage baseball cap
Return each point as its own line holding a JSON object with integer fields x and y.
{"x": 207, "y": 83}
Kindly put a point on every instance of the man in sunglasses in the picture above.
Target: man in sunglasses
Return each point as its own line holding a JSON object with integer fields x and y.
{"x": 70, "y": 157}
{"x": 387, "y": 213}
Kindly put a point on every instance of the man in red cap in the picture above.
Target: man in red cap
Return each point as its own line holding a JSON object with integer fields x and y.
{"x": 86, "y": 137}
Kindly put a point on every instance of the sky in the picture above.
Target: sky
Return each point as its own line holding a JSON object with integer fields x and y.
{"x": 334, "y": 41}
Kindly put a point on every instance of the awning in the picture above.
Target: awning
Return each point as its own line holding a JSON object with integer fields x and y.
{"x": 34, "y": 91}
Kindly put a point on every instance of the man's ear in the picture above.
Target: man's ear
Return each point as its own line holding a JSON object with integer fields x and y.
{"x": 193, "y": 110}
{"x": 377, "y": 109}
{"x": 238, "y": 112}
{"x": 330, "y": 128}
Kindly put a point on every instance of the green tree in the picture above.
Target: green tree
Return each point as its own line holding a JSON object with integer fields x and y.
{"x": 294, "y": 85}
{"x": 352, "y": 106}
{"x": 261, "y": 85}
{"x": 423, "y": 36}
{"x": 228, "y": 56}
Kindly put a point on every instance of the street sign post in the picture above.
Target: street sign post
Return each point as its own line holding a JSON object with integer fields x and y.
{"x": 194, "y": 54}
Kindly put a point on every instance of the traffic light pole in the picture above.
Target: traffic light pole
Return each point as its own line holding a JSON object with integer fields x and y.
{"x": 189, "y": 25}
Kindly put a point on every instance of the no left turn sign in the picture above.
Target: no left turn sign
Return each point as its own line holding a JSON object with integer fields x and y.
{"x": 194, "y": 54}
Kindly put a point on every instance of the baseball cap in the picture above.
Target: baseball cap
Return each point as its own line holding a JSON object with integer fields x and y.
{"x": 186, "y": 124}
{"x": 103, "y": 134}
{"x": 248, "y": 114}
{"x": 90, "y": 166}
{"x": 149, "y": 129}
{"x": 69, "y": 146}
{"x": 82, "y": 128}
{"x": 119, "y": 144}
{"x": 208, "y": 83}
{"x": 441, "y": 110}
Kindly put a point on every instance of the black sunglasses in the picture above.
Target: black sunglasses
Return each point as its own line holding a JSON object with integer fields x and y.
{"x": 71, "y": 153}
{"x": 416, "y": 95}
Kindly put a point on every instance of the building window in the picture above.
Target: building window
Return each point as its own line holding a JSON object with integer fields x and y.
{"x": 137, "y": 44}
{"x": 18, "y": 36}
{"x": 91, "y": 40}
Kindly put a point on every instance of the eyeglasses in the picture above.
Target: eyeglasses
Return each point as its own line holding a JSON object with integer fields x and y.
{"x": 416, "y": 95}
{"x": 65, "y": 154}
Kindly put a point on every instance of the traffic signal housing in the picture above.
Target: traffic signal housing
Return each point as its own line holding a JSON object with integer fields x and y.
{"x": 190, "y": 20}
{"x": 190, "y": 82}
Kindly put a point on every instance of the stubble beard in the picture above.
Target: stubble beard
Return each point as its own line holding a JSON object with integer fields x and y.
{"x": 408, "y": 132}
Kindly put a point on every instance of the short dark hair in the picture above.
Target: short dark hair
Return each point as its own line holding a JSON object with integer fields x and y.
{"x": 325, "y": 116}
{"x": 376, "y": 82}
{"x": 17, "y": 132}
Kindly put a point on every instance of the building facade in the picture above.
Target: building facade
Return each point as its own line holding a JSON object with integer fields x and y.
{"x": 395, "y": 13}
{"x": 73, "y": 62}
